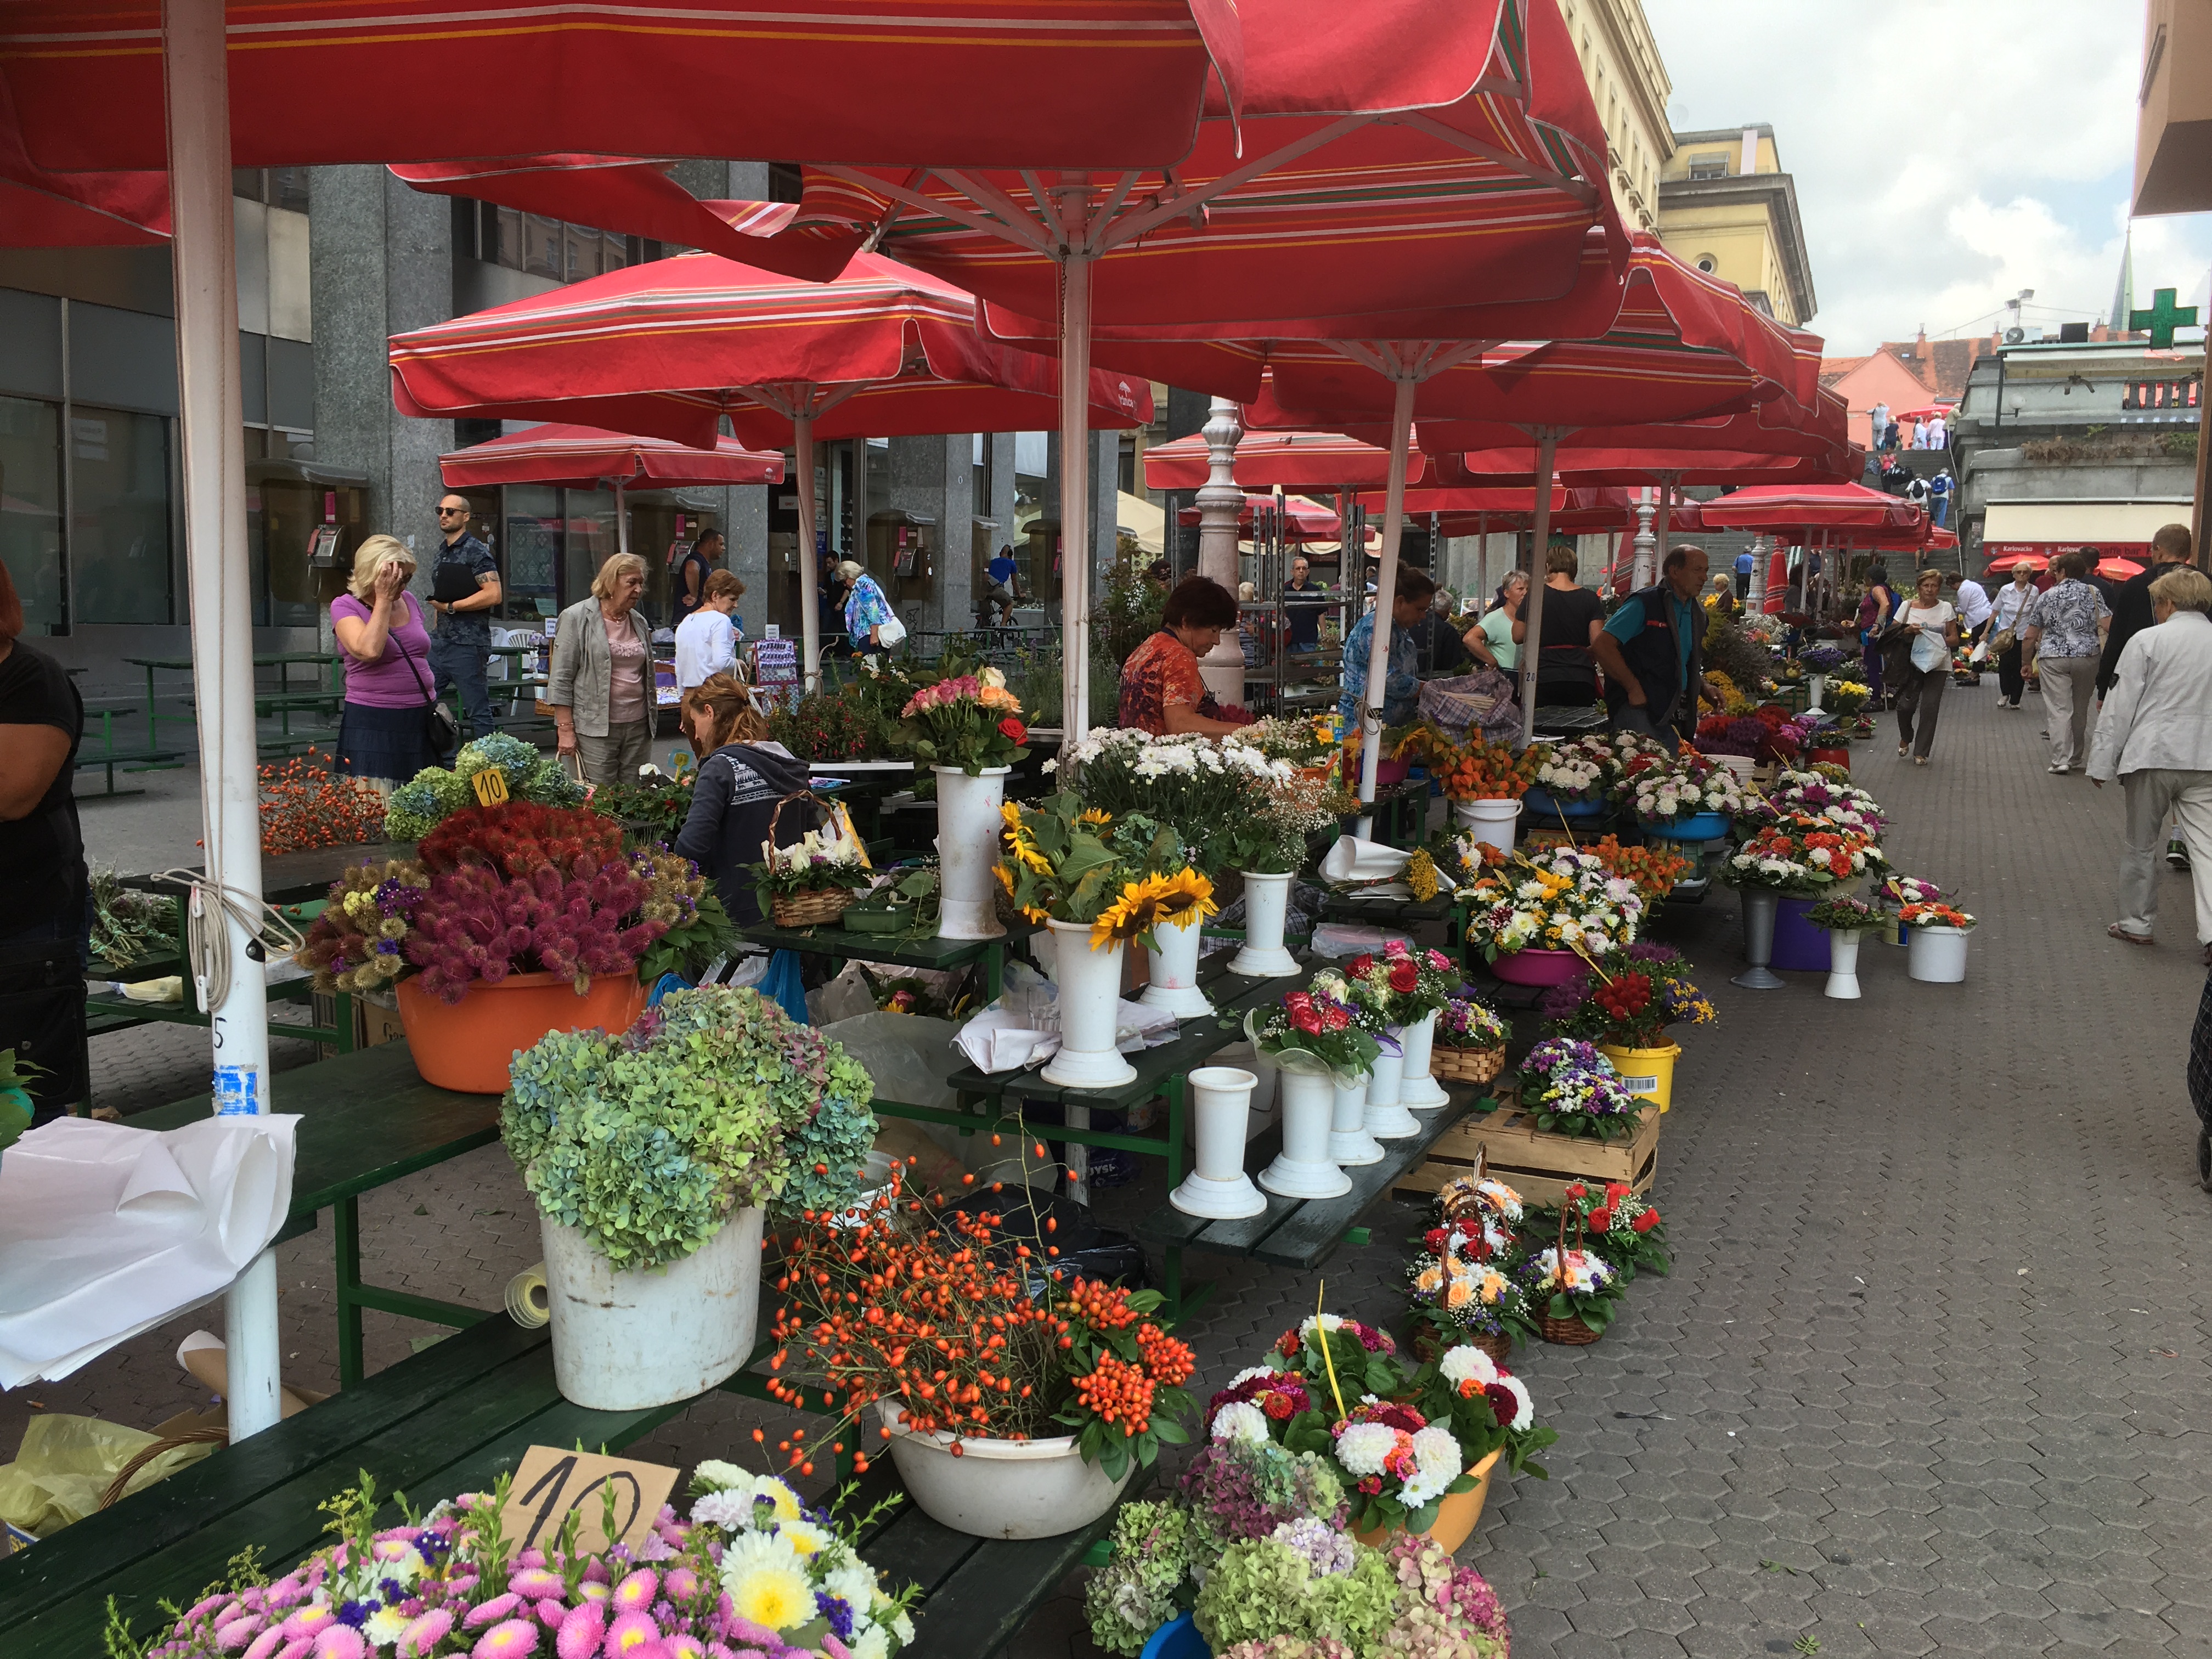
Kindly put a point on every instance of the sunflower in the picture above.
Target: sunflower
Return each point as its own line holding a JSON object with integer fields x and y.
{"x": 1185, "y": 898}
{"x": 1006, "y": 880}
{"x": 1097, "y": 815}
{"x": 1130, "y": 914}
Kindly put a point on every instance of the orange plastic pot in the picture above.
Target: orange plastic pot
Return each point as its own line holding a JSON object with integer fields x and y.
{"x": 467, "y": 1045}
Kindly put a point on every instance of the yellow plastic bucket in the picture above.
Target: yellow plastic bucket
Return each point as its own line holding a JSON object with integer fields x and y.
{"x": 1647, "y": 1073}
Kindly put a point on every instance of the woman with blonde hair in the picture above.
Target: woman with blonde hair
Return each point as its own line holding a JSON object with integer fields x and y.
{"x": 742, "y": 776}
{"x": 1925, "y": 664}
{"x": 384, "y": 727}
{"x": 600, "y": 685}
{"x": 867, "y": 610}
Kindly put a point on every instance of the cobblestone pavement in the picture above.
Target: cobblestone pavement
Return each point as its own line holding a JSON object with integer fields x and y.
{"x": 1928, "y": 1376}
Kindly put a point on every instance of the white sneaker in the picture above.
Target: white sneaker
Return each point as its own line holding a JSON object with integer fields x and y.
{"x": 2061, "y": 771}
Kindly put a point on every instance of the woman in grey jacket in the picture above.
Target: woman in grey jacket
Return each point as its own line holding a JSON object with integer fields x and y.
{"x": 600, "y": 686}
{"x": 741, "y": 778}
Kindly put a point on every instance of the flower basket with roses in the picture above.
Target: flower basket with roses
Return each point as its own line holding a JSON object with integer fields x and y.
{"x": 1667, "y": 789}
{"x": 970, "y": 722}
{"x": 1556, "y": 899}
{"x": 1312, "y": 1031}
{"x": 1459, "y": 1285}
{"x": 813, "y": 880}
{"x": 1808, "y": 865}
{"x": 1574, "y": 1293}
{"x": 1616, "y": 1222}
{"x": 1632, "y": 1005}
{"x": 1571, "y": 1088}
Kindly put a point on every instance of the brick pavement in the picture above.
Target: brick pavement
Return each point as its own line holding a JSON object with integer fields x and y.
{"x": 1927, "y": 1377}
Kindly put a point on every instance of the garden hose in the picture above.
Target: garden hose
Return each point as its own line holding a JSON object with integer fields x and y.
{"x": 207, "y": 938}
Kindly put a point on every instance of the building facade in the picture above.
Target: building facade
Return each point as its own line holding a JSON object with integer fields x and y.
{"x": 1629, "y": 83}
{"x": 1727, "y": 207}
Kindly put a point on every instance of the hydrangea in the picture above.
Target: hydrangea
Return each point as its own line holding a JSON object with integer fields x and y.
{"x": 1327, "y": 1550}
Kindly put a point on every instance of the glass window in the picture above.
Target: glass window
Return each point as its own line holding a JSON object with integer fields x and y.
{"x": 287, "y": 188}
{"x": 31, "y": 507}
{"x": 542, "y": 253}
{"x": 533, "y": 552}
{"x": 119, "y": 516}
{"x": 581, "y": 253}
{"x": 589, "y": 533}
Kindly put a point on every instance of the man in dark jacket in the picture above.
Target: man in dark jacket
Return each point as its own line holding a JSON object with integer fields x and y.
{"x": 1652, "y": 652}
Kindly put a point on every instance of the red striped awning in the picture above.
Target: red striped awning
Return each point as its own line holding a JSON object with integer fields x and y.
{"x": 1296, "y": 460}
{"x": 583, "y": 457}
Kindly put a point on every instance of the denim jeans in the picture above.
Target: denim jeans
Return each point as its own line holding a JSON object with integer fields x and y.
{"x": 459, "y": 663}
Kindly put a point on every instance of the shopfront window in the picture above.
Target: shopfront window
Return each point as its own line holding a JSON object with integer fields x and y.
{"x": 119, "y": 517}
{"x": 533, "y": 554}
{"x": 31, "y": 507}
{"x": 590, "y": 529}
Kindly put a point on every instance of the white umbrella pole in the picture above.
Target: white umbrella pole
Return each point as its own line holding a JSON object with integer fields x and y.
{"x": 810, "y": 605}
{"x": 622, "y": 520}
{"x": 204, "y": 260}
{"x": 1075, "y": 498}
{"x": 1386, "y": 595}
{"x": 1548, "y": 450}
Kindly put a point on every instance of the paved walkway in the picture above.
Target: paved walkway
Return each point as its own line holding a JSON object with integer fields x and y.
{"x": 1928, "y": 1375}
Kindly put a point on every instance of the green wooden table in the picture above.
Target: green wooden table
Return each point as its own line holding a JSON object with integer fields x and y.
{"x": 283, "y": 662}
{"x": 367, "y": 1118}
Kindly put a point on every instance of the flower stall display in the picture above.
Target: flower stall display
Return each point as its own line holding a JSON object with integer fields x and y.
{"x": 1470, "y": 1042}
{"x": 755, "y": 1570}
{"x": 1539, "y": 916}
{"x": 1655, "y": 870}
{"x": 1625, "y": 1013}
{"x": 1616, "y": 1222}
{"x": 1573, "y": 1090}
{"x": 1683, "y": 797}
{"x": 1484, "y": 782}
{"x": 1846, "y": 697}
{"x": 1572, "y": 781}
{"x": 1934, "y": 934}
{"x": 436, "y": 792}
{"x": 1097, "y": 880}
{"x": 813, "y": 880}
{"x": 1846, "y": 920}
{"x": 1800, "y": 801}
{"x": 968, "y": 729}
{"x": 1316, "y": 1044}
{"x": 1400, "y": 989}
{"x": 1574, "y": 1293}
{"x": 1806, "y": 864}
{"x": 653, "y": 1157}
{"x": 1018, "y": 1400}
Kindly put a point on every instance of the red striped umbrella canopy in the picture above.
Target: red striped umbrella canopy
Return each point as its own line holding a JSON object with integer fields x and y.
{"x": 42, "y": 208}
{"x": 1776, "y": 432}
{"x": 1632, "y": 467}
{"x": 1462, "y": 510}
{"x": 1305, "y": 520}
{"x": 671, "y": 347}
{"x": 1796, "y": 512}
{"x": 1085, "y": 83}
{"x": 583, "y": 456}
{"x": 1296, "y": 460}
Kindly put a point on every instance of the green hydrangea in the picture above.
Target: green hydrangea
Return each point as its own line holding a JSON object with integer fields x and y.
{"x": 1135, "y": 1593}
{"x": 549, "y": 784}
{"x": 1260, "y": 1589}
{"x": 423, "y": 802}
{"x": 512, "y": 756}
{"x": 648, "y": 1142}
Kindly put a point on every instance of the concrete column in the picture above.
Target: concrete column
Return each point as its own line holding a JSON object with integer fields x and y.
{"x": 934, "y": 476}
{"x": 392, "y": 271}
{"x": 1219, "y": 503}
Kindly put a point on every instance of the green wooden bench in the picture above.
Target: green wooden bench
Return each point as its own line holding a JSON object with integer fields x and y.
{"x": 98, "y": 749}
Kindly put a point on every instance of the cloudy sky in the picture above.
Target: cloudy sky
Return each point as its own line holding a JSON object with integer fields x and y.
{"x": 1947, "y": 153}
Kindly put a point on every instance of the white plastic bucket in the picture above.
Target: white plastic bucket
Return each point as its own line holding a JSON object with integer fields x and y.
{"x": 1002, "y": 1488}
{"x": 1936, "y": 956}
{"x": 1492, "y": 820}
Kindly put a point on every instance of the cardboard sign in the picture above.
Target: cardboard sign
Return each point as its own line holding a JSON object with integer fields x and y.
{"x": 552, "y": 1482}
{"x": 490, "y": 786}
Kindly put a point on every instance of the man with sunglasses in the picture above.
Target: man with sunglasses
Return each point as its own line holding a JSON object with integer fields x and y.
{"x": 465, "y": 590}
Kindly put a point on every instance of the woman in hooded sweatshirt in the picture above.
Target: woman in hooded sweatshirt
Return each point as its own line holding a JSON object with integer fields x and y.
{"x": 742, "y": 776}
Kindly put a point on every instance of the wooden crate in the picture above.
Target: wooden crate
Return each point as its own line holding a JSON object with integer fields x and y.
{"x": 372, "y": 1023}
{"x": 1537, "y": 1165}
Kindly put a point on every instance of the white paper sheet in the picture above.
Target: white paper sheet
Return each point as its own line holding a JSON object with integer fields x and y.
{"x": 106, "y": 1231}
{"x": 1001, "y": 1039}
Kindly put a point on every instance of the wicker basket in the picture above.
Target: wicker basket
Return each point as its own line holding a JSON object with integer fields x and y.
{"x": 1466, "y": 1065}
{"x": 1567, "y": 1333}
{"x": 806, "y": 909}
{"x": 1427, "y": 1346}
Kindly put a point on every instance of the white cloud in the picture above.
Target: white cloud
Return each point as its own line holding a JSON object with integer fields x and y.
{"x": 1946, "y": 153}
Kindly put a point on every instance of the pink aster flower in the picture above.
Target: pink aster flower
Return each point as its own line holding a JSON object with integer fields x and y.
{"x": 580, "y": 1633}
{"x": 681, "y": 1584}
{"x": 492, "y": 1611}
{"x": 552, "y": 1611}
{"x": 417, "y": 1640}
{"x": 340, "y": 1642}
{"x": 537, "y": 1583}
{"x": 265, "y": 1645}
{"x": 234, "y": 1633}
{"x": 510, "y": 1640}
{"x": 298, "y": 1649}
{"x": 684, "y": 1647}
{"x": 308, "y": 1621}
{"x": 629, "y": 1633}
{"x": 636, "y": 1592}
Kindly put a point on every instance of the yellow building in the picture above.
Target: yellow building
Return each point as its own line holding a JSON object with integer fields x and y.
{"x": 1628, "y": 83}
{"x": 1726, "y": 206}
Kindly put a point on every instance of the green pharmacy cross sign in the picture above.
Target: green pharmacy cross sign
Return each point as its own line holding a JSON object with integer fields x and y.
{"x": 2163, "y": 318}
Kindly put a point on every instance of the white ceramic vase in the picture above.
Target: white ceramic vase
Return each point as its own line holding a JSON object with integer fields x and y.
{"x": 1267, "y": 902}
{"x": 1000, "y": 1488}
{"x": 627, "y": 1340}
{"x": 1304, "y": 1167}
{"x": 1386, "y": 1116}
{"x": 968, "y": 831}
{"x": 1172, "y": 963}
{"x": 1219, "y": 1188}
{"x": 1090, "y": 990}
{"x": 1843, "y": 966}
{"x": 1418, "y": 1089}
{"x": 1349, "y": 1143}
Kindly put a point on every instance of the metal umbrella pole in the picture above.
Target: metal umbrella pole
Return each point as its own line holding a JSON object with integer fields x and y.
{"x": 1075, "y": 487}
{"x": 1548, "y": 451}
{"x": 1386, "y": 594}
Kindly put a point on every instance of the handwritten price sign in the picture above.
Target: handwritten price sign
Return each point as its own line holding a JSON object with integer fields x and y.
{"x": 551, "y": 1483}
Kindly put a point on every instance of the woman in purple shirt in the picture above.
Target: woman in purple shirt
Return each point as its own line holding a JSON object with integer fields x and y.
{"x": 383, "y": 730}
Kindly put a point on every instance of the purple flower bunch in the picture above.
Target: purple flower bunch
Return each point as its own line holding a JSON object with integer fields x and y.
{"x": 1821, "y": 659}
{"x": 1565, "y": 1054}
{"x": 476, "y": 924}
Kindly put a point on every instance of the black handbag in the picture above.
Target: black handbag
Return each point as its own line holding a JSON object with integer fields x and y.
{"x": 442, "y": 728}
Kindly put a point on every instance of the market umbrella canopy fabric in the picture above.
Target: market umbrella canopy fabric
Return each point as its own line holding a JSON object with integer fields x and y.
{"x": 1083, "y": 83}
{"x": 42, "y": 208}
{"x": 1786, "y": 509}
{"x": 1307, "y": 460}
{"x": 581, "y": 456}
{"x": 1303, "y": 520}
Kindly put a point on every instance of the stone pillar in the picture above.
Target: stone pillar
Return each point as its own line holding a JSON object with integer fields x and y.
{"x": 1646, "y": 544}
{"x": 934, "y": 476}
{"x": 391, "y": 270}
{"x": 1220, "y": 501}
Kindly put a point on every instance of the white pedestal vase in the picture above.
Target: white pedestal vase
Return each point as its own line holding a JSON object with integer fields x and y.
{"x": 1418, "y": 1089}
{"x": 968, "y": 830}
{"x": 1843, "y": 966}
{"x": 1171, "y": 961}
{"x": 1267, "y": 902}
{"x": 1936, "y": 956}
{"x": 626, "y": 1340}
{"x": 1219, "y": 1188}
{"x": 1349, "y": 1143}
{"x": 1303, "y": 1168}
{"x": 1493, "y": 820}
{"x": 1089, "y": 989}
{"x": 1819, "y": 690}
{"x": 1386, "y": 1118}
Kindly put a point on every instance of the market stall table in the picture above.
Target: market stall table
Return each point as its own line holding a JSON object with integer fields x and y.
{"x": 933, "y": 954}
{"x": 328, "y": 693}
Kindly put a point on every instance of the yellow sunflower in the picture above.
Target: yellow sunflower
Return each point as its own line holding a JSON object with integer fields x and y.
{"x": 1006, "y": 880}
{"x": 1128, "y": 916}
{"x": 1097, "y": 815}
{"x": 1185, "y": 898}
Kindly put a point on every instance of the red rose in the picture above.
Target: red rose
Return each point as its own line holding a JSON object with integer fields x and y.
{"x": 1334, "y": 1018}
{"x": 1576, "y": 1189}
{"x": 1646, "y": 1222}
{"x": 1600, "y": 1221}
{"x": 1404, "y": 976}
{"x": 1616, "y": 1191}
{"x": 1361, "y": 965}
{"x": 1434, "y": 1238}
{"x": 1014, "y": 729}
{"x": 1504, "y": 1404}
{"x": 1306, "y": 1020}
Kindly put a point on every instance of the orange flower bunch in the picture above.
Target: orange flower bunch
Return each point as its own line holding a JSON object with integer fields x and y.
{"x": 1654, "y": 873}
{"x": 1480, "y": 770}
{"x": 306, "y": 804}
{"x": 930, "y": 1308}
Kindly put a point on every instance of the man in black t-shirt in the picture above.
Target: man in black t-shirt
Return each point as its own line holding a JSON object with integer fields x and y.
{"x": 465, "y": 591}
{"x": 1566, "y": 674}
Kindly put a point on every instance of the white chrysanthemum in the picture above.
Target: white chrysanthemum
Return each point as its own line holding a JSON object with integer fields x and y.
{"x": 1313, "y": 1322}
{"x": 385, "y": 1626}
{"x": 902, "y": 1626}
{"x": 852, "y": 1583}
{"x": 1249, "y": 1373}
{"x": 805, "y": 1538}
{"x": 1363, "y": 1446}
{"x": 1466, "y": 1363}
{"x": 730, "y": 1510}
{"x": 1525, "y": 1411}
{"x": 716, "y": 1474}
{"x": 751, "y": 1550}
{"x": 1240, "y": 1419}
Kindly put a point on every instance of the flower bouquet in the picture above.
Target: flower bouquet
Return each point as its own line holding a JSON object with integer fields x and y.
{"x": 1314, "y": 1031}
{"x": 1580, "y": 771}
{"x": 1632, "y": 1007}
{"x": 1934, "y": 914}
{"x": 814, "y": 878}
{"x": 1571, "y": 1089}
{"x": 1847, "y": 697}
{"x": 436, "y": 792}
{"x": 1573, "y": 1292}
{"x": 1470, "y": 1042}
{"x": 970, "y": 722}
{"x": 1400, "y": 985}
{"x": 1120, "y": 876}
{"x": 1804, "y": 864}
{"x": 1305, "y": 743}
{"x": 1617, "y": 1222}
{"x": 1671, "y": 789}
{"x": 1821, "y": 659}
{"x": 1653, "y": 869}
{"x": 1223, "y": 800}
{"x": 1557, "y": 899}
{"x": 1800, "y": 801}
{"x": 1847, "y": 915}
{"x": 754, "y": 1572}
{"x": 1459, "y": 1289}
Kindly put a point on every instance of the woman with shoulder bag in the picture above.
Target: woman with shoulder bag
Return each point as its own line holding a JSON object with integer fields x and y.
{"x": 742, "y": 776}
{"x": 600, "y": 685}
{"x": 1925, "y": 634}
{"x": 386, "y": 730}
{"x": 2006, "y": 616}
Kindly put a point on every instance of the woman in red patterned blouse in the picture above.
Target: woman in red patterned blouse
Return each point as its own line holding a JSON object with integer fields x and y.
{"x": 1160, "y": 690}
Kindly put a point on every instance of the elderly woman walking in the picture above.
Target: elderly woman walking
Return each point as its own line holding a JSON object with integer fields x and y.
{"x": 2065, "y": 633}
{"x": 867, "y": 612}
{"x": 1925, "y": 667}
{"x": 2154, "y": 738}
{"x": 600, "y": 686}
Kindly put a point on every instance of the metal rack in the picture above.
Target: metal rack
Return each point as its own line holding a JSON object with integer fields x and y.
{"x": 1304, "y": 681}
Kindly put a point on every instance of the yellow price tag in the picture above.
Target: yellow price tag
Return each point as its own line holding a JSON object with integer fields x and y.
{"x": 490, "y": 786}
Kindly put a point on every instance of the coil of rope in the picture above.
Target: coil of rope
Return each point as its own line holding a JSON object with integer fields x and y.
{"x": 209, "y": 906}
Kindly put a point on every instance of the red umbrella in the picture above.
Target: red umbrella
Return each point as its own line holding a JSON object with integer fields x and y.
{"x": 2115, "y": 566}
{"x": 1826, "y": 515}
{"x": 1296, "y": 460}
{"x": 40, "y": 208}
{"x": 1303, "y": 520}
{"x": 1927, "y": 412}
{"x": 674, "y": 347}
{"x": 584, "y": 457}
